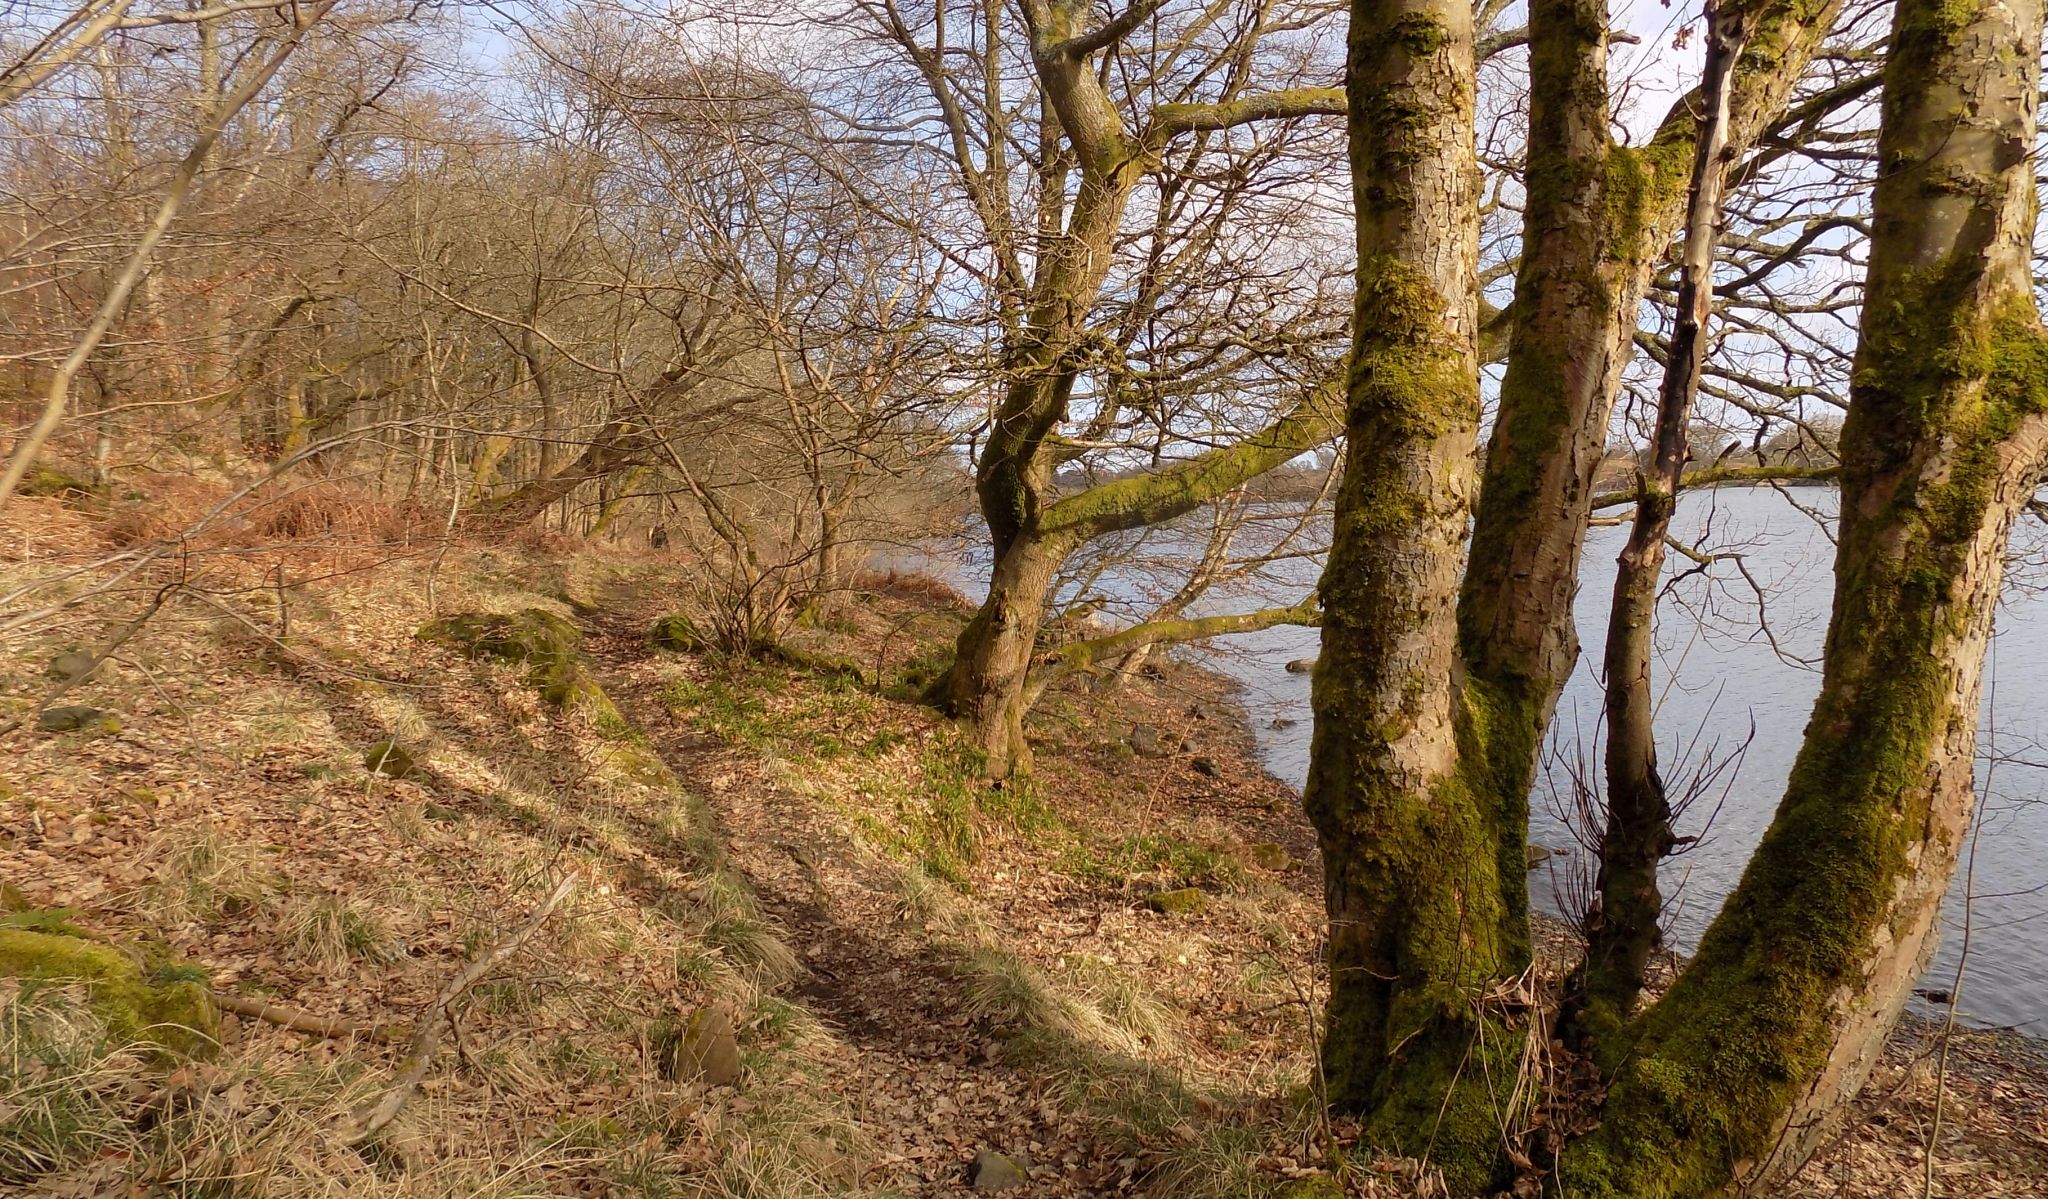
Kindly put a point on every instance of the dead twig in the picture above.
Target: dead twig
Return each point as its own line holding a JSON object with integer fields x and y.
{"x": 75, "y": 677}
{"x": 426, "y": 1037}
{"x": 306, "y": 1022}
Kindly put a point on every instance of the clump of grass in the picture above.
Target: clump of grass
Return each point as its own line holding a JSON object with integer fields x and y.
{"x": 731, "y": 707}
{"x": 729, "y": 920}
{"x": 64, "y": 1084}
{"x": 1123, "y": 1000}
{"x": 331, "y": 932}
{"x": 201, "y": 875}
{"x": 955, "y": 775}
{"x": 1004, "y": 990}
{"x": 1016, "y": 999}
{"x": 277, "y": 720}
{"x": 799, "y": 1143}
{"x": 1176, "y": 861}
{"x": 941, "y": 812}
{"x": 934, "y": 904}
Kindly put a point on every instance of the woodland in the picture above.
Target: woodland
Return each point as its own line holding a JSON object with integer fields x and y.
{"x": 623, "y": 599}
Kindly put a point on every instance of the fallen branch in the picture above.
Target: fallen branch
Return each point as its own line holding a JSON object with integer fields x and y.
{"x": 426, "y": 1037}
{"x": 305, "y": 1022}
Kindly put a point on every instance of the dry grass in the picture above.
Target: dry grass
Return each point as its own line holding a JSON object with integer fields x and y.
{"x": 287, "y": 871}
{"x": 332, "y": 932}
{"x": 201, "y": 874}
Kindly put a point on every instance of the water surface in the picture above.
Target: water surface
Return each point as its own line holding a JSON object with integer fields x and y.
{"x": 1735, "y": 641}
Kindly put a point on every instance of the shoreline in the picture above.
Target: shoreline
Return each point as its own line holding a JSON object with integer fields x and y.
{"x": 1557, "y": 942}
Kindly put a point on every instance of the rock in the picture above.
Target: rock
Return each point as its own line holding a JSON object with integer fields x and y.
{"x": 1301, "y": 666}
{"x": 677, "y": 632}
{"x": 992, "y": 1171}
{"x": 1204, "y": 710}
{"x": 1268, "y": 856}
{"x": 1316, "y": 1186}
{"x": 47, "y": 480}
{"x": 1205, "y": 766}
{"x": 1185, "y": 901}
{"x": 72, "y": 666}
{"x": 390, "y": 759}
{"x": 704, "y": 1048}
{"x": 75, "y": 718}
{"x": 543, "y": 641}
{"x": 169, "y": 1006}
{"x": 1151, "y": 743}
{"x": 1537, "y": 855}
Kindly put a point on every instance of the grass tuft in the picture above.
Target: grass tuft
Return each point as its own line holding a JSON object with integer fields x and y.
{"x": 331, "y": 932}
{"x": 203, "y": 876}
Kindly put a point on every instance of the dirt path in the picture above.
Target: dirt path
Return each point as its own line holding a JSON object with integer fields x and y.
{"x": 927, "y": 1080}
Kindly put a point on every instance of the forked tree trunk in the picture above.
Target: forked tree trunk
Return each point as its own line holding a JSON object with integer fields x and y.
{"x": 1778, "y": 1020}
{"x": 1447, "y": 840}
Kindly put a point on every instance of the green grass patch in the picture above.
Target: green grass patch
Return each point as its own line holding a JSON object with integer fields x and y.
{"x": 1183, "y": 863}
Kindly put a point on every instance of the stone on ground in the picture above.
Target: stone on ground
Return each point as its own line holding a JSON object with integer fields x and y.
{"x": 1182, "y": 902}
{"x": 992, "y": 1171}
{"x": 389, "y": 759}
{"x": 705, "y": 1049}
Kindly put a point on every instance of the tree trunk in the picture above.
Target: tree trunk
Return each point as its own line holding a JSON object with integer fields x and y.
{"x": 1597, "y": 221}
{"x": 1425, "y": 754}
{"x": 620, "y": 445}
{"x": 985, "y": 687}
{"x": 1780, "y": 1017}
{"x": 1412, "y": 852}
{"x": 1623, "y": 932}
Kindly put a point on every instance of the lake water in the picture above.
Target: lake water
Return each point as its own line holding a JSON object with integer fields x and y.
{"x": 1731, "y": 651}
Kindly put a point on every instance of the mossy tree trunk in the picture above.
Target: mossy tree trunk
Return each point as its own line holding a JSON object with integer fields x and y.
{"x": 1780, "y": 1017}
{"x": 1440, "y": 836}
{"x": 622, "y": 444}
{"x": 1623, "y": 931}
{"x": 1598, "y": 220}
{"x": 1412, "y": 850}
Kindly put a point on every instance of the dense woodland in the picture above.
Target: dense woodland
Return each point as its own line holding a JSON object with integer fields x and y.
{"x": 410, "y": 362}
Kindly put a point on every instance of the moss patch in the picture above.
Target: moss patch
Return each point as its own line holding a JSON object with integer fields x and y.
{"x": 537, "y": 638}
{"x": 165, "y": 1006}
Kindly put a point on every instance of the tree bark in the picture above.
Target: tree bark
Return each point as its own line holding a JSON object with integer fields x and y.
{"x": 1622, "y": 932}
{"x": 1425, "y": 848}
{"x": 1412, "y": 853}
{"x": 620, "y": 445}
{"x": 1779, "y": 1019}
{"x": 986, "y": 685}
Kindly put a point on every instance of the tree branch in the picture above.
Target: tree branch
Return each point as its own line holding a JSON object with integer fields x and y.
{"x": 1715, "y": 475}
{"x": 1108, "y": 35}
{"x": 1082, "y": 655}
{"x": 426, "y": 1038}
{"x": 1171, "y": 120}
